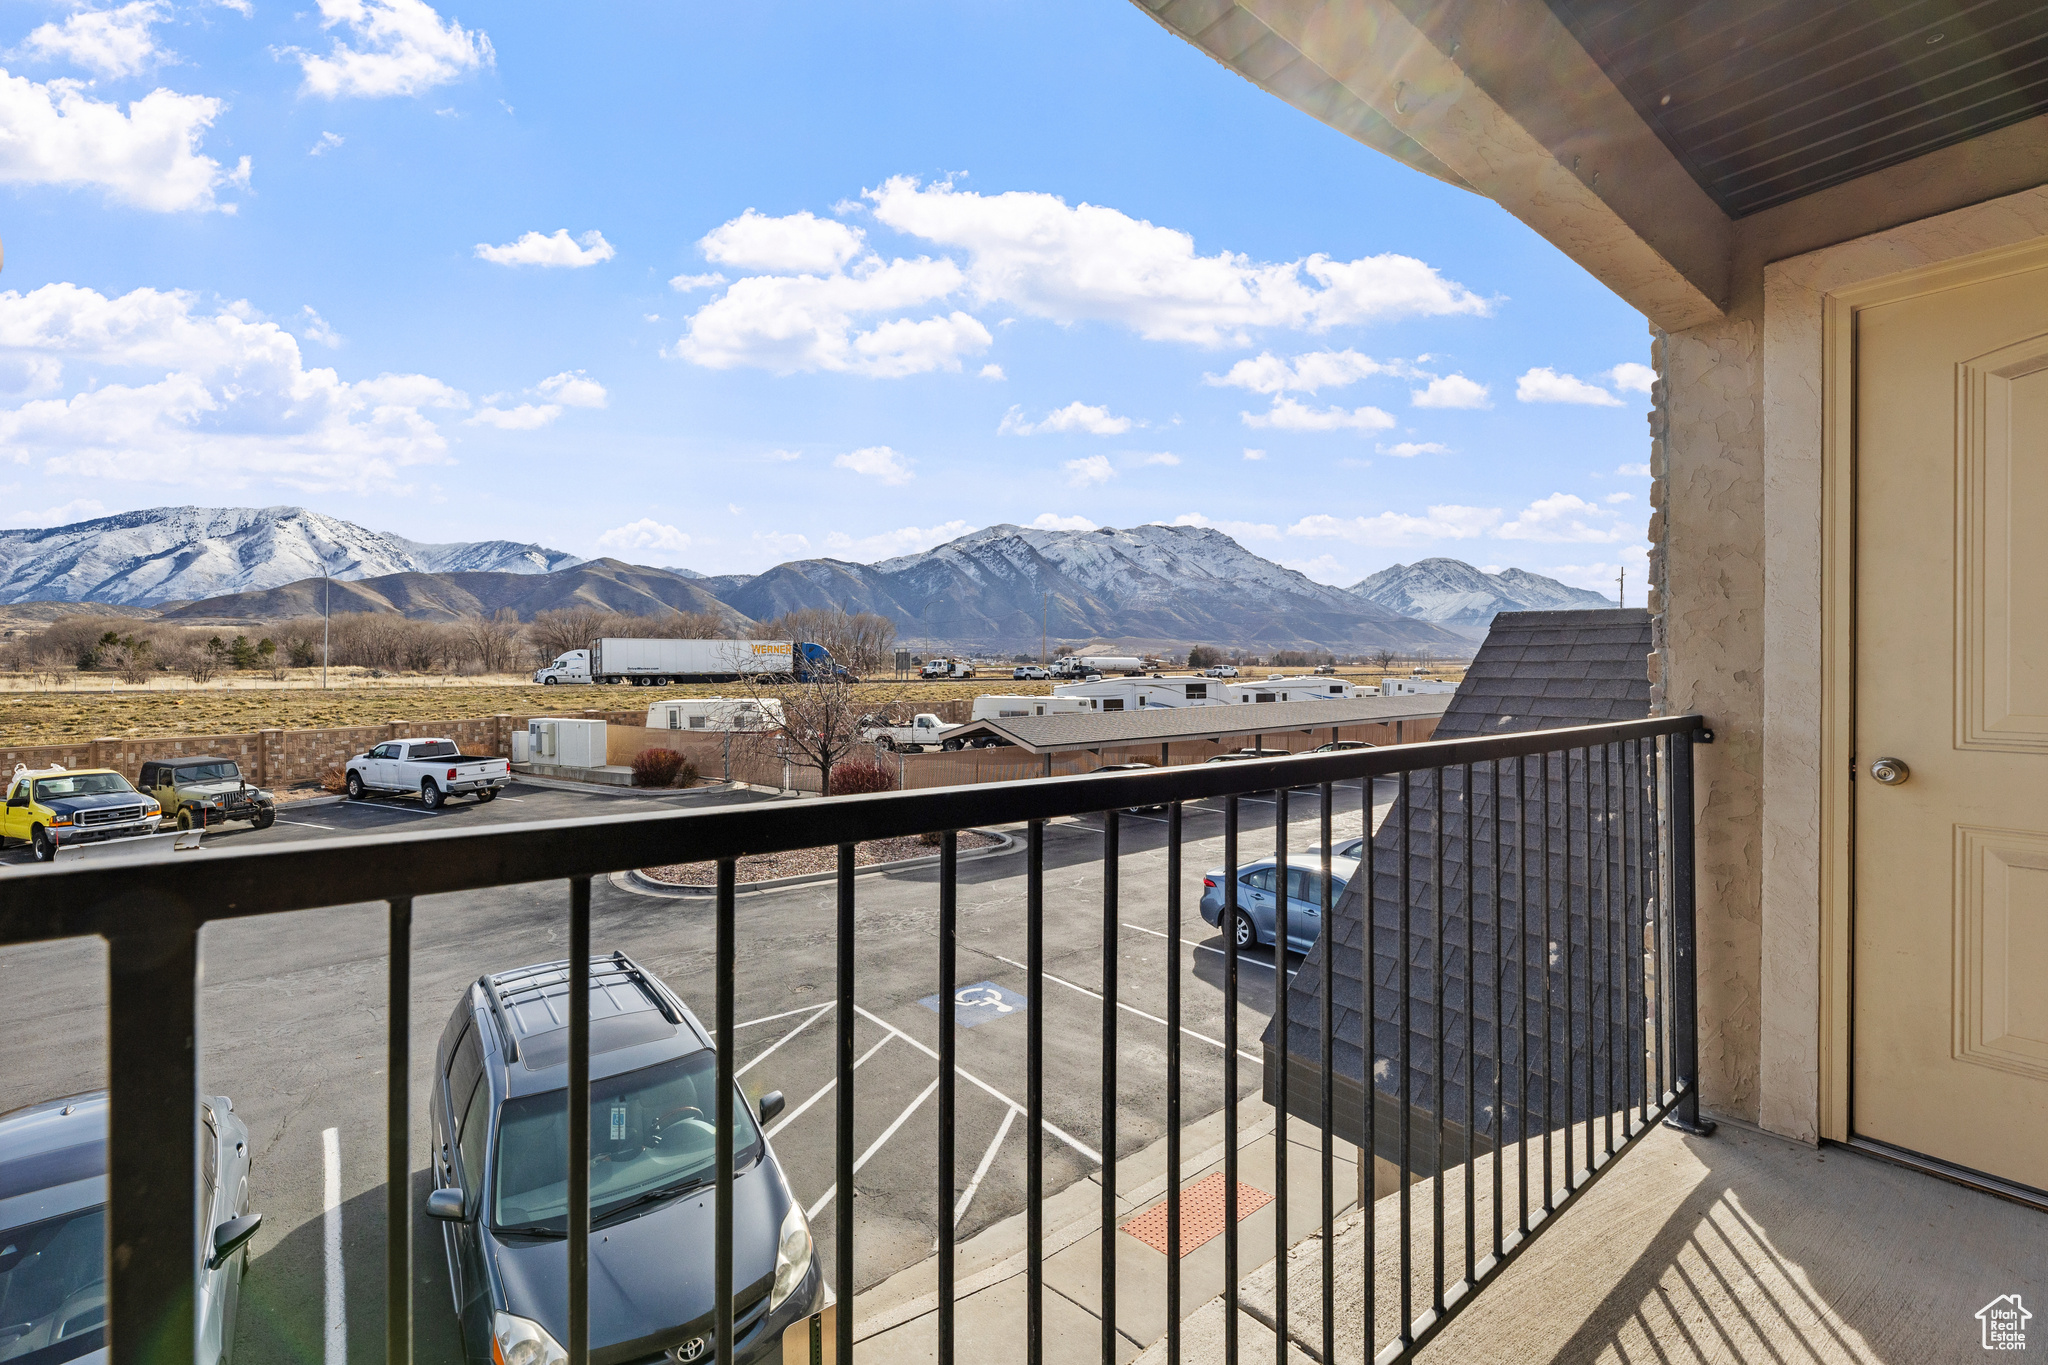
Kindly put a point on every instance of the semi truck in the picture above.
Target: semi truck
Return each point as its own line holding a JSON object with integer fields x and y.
{"x": 653, "y": 663}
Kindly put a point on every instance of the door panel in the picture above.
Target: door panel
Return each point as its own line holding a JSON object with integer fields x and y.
{"x": 1949, "y": 1052}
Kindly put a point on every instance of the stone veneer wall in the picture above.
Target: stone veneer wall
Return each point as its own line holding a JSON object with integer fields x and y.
{"x": 277, "y": 757}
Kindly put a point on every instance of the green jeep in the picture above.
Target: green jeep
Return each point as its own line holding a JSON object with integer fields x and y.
{"x": 203, "y": 792}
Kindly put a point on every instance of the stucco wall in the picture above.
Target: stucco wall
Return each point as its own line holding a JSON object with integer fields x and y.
{"x": 1709, "y": 509}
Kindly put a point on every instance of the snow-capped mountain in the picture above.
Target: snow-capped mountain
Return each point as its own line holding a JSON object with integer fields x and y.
{"x": 165, "y": 554}
{"x": 1452, "y": 593}
{"x": 1183, "y": 584}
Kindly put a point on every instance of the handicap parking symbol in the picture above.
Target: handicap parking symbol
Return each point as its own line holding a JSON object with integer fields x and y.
{"x": 979, "y": 1004}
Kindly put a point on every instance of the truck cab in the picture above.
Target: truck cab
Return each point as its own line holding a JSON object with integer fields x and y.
{"x": 947, "y": 668}
{"x": 573, "y": 666}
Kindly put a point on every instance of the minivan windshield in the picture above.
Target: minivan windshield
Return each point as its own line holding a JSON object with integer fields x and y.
{"x": 53, "y": 1291}
{"x": 651, "y": 1131}
{"x": 81, "y": 784}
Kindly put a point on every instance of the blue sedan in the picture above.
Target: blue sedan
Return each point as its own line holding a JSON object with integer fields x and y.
{"x": 1258, "y": 899}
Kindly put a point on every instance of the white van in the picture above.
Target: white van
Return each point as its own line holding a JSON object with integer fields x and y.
{"x": 715, "y": 714}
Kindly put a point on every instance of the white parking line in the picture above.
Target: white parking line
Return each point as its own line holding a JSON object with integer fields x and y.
{"x": 336, "y": 1352}
{"x": 771, "y": 1018}
{"x": 1242, "y": 960}
{"x": 1097, "y": 995}
{"x": 306, "y": 823}
{"x": 395, "y": 810}
{"x": 824, "y": 1090}
{"x": 762, "y": 1056}
{"x": 987, "y": 1159}
{"x": 874, "y": 1147}
{"x": 1083, "y": 1148}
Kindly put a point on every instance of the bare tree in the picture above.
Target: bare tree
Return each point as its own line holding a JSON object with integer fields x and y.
{"x": 861, "y": 641}
{"x": 561, "y": 629}
{"x": 821, "y": 721}
{"x": 1384, "y": 659}
{"x": 493, "y": 643}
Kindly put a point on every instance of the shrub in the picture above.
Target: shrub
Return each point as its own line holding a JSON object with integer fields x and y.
{"x": 931, "y": 838}
{"x": 662, "y": 768}
{"x": 334, "y": 780}
{"x": 861, "y": 775}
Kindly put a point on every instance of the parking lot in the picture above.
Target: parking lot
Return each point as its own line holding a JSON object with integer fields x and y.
{"x": 293, "y": 1017}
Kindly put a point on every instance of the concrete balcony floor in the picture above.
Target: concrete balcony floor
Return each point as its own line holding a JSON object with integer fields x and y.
{"x": 1741, "y": 1247}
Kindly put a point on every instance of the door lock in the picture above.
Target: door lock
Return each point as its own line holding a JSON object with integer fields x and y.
{"x": 1890, "y": 771}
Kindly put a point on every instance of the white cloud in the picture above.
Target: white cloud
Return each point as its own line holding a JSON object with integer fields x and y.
{"x": 788, "y": 323}
{"x": 1086, "y": 262}
{"x": 1562, "y": 517}
{"x": 1251, "y": 454}
{"x": 1165, "y": 457}
{"x": 1630, "y": 377}
{"x": 1545, "y": 385}
{"x": 1075, "y": 416}
{"x": 906, "y": 540}
{"x": 1444, "y": 522}
{"x": 1601, "y": 577}
{"x": 876, "y": 462}
{"x": 1634, "y": 471}
{"x": 1309, "y": 373}
{"x": 1289, "y": 415}
{"x": 1048, "y": 521}
{"x": 107, "y": 42}
{"x": 1409, "y": 449}
{"x": 525, "y": 417}
{"x": 572, "y": 388}
{"x": 315, "y": 328}
{"x": 1619, "y": 497}
{"x": 402, "y": 47}
{"x": 1236, "y": 530}
{"x": 644, "y": 534}
{"x": 149, "y": 157}
{"x": 993, "y": 372}
{"x": 1323, "y": 569}
{"x": 78, "y": 509}
{"x": 327, "y": 143}
{"x": 799, "y": 244}
{"x": 782, "y": 543}
{"x": 218, "y": 400}
{"x": 1092, "y": 469}
{"x": 782, "y": 456}
{"x": 558, "y": 250}
{"x": 1451, "y": 391}
{"x": 689, "y": 284}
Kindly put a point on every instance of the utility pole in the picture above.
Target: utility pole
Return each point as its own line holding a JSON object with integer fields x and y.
{"x": 326, "y": 603}
{"x": 1044, "y": 612}
{"x": 1621, "y": 587}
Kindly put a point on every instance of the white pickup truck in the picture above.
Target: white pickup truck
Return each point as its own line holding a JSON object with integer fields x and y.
{"x": 435, "y": 768}
{"x": 924, "y": 731}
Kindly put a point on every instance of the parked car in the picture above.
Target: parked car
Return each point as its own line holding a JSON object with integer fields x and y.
{"x": 434, "y": 768}
{"x": 1132, "y": 767}
{"x": 1338, "y": 746}
{"x": 500, "y": 1126}
{"x": 204, "y": 792}
{"x": 1029, "y": 673}
{"x": 52, "y": 806}
{"x": 53, "y": 1230}
{"x": 1258, "y": 902}
{"x": 1220, "y": 671}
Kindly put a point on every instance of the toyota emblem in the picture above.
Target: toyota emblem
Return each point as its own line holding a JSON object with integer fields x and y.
{"x": 693, "y": 1349}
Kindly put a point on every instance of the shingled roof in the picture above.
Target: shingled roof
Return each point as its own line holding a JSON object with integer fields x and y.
{"x": 1541, "y": 670}
{"x": 1157, "y": 724}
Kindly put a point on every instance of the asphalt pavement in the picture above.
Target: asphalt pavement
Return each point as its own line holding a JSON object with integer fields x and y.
{"x": 293, "y": 1009}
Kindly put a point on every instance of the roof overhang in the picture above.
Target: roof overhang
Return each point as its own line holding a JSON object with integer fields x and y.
{"x": 1110, "y": 730}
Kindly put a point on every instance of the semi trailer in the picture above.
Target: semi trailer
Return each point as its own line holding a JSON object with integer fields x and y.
{"x": 652, "y": 663}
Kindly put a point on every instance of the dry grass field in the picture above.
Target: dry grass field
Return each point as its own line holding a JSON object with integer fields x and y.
{"x": 88, "y": 706}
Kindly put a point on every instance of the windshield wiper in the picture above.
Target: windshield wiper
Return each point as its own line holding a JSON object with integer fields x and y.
{"x": 531, "y": 1230}
{"x": 672, "y": 1190}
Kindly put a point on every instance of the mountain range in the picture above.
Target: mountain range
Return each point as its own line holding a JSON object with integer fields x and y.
{"x": 1143, "y": 586}
{"x": 1453, "y": 594}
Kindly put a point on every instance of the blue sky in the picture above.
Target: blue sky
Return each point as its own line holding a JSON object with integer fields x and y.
{"x": 722, "y": 286}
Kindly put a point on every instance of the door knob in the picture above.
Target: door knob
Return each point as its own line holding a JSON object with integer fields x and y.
{"x": 1890, "y": 771}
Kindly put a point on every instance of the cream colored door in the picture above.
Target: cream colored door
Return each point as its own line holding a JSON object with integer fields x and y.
{"x": 1950, "y": 1042}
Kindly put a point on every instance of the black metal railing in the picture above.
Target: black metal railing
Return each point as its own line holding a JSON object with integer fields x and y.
{"x": 1513, "y": 1003}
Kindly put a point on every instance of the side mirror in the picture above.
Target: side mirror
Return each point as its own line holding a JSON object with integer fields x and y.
{"x": 231, "y": 1236}
{"x": 770, "y": 1105}
{"x": 447, "y": 1205}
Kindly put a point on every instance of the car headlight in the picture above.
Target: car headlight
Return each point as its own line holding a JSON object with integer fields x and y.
{"x": 792, "y": 1256}
{"x": 522, "y": 1341}
{"x": 152, "y": 808}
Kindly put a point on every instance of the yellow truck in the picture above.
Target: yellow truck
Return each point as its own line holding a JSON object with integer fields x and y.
{"x": 52, "y": 807}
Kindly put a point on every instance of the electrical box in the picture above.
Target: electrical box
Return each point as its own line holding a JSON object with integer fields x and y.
{"x": 522, "y": 745}
{"x": 564, "y": 743}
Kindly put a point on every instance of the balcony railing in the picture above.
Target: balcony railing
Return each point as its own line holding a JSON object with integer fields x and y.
{"x": 1527, "y": 981}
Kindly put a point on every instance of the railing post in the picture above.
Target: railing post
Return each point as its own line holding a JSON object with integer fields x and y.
{"x": 152, "y": 1141}
{"x": 1685, "y": 958}
{"x": 578, "y": 1106}
{"x": 398, "y": 1143}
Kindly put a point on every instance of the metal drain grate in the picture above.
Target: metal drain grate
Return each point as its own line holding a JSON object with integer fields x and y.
{"x": 1201, "y": 1214}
